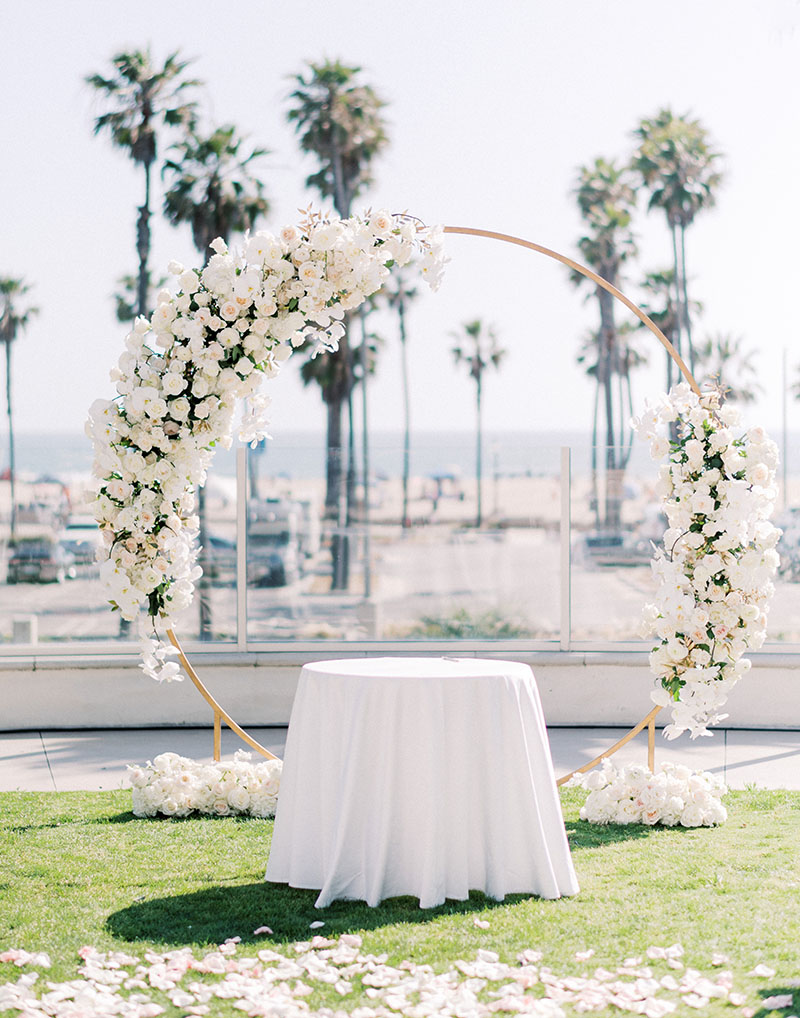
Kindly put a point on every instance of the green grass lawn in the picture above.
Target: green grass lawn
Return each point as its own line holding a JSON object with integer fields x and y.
{"x": 79, "y": 868}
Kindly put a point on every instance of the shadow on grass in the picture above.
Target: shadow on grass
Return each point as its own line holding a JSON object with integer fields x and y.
{"x": 212, "y": 915}
{"x": 582, "y": 834}
{"x": 70, "y": 821}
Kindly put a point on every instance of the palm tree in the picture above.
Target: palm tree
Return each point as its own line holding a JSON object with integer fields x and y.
{"x": 399, "y": 296}
{"x": 339, "y": 122}
{"x": 606, "y": 199}
{"x": 479, "y": 348}
{"x": 728, "y": 366}
{"x": 211, "y": 187}
{"x": 678, "y": 166}
{"x": 141, "y": 99}
{"x": 125, "y": 297}
{"x": 15, "y": 317}
{"x": 626, "y": 357}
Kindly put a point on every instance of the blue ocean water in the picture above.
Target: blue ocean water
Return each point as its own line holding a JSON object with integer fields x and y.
{"x": 300, "y": 455}
{"x": 297, "y": 454}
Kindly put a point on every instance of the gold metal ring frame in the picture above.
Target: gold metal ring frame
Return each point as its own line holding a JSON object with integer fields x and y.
{"x": 648, "y": 721}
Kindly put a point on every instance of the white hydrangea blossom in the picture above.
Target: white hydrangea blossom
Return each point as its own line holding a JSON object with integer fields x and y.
{"x": 174, "y": 785}
{"x": 674, "y": 795}
{"x": 182, "y": 372}
{"x": 714, "y": 571}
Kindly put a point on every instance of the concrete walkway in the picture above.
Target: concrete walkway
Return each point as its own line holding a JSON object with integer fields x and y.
{"x": 96, "y": 759}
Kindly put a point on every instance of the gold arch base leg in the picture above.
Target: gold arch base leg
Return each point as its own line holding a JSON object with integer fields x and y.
{"x": 219, "y": 714}
{"x": 648, "y": 722}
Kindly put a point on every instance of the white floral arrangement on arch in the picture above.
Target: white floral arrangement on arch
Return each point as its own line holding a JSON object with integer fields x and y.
{"x": 183, "y": 370}
{"x": 175, "y": 786}
{"x": 714, "y": 571}
{"x": 673, "y": 796}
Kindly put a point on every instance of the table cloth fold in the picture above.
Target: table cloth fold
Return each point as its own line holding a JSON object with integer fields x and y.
{"x": 428, "y": 777}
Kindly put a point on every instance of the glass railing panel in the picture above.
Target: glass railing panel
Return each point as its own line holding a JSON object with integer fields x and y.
{"x": 616, "y": 518}
{"x": 211, "y": 618}
{"x": 50, "y": 592}
{"x": 410, "y": 561}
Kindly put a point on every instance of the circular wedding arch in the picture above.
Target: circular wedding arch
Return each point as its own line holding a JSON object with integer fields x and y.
{"x": 648, "y": 721}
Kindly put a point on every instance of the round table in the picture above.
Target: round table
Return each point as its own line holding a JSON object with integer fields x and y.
{"x": 422, "y": 776}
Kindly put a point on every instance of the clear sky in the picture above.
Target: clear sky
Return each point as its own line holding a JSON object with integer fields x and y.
{"x": 492, "y": 107}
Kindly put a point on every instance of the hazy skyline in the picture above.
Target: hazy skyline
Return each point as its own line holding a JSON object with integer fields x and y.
{"x": 490, "y": 113}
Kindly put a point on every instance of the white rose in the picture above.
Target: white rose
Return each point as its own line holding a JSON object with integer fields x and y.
{"x": 200, "y": 386}
{"x": 179, "y": 408}
{"x": 659, "y": 447}
{"x": 758, "y": 473}
{"x": 172, "y": 383}
{"x": 228, "y": 337}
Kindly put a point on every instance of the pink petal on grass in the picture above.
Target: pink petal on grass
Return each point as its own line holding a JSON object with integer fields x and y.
{"x": 316, "y": 925}
{"x": 481, "y": 924}
{"x": 260, "y": 930}
{"x": 764, "y": 971}
{"x": 777, "y": 1000}
{"x": 584, "y": 955}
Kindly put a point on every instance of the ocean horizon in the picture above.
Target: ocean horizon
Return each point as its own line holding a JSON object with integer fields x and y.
{"x": 301, "y": 454}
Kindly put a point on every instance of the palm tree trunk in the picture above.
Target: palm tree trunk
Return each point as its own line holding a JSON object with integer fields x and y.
{"x": 334, "y": 493}
{"x": 595, "y": 493}
{"x": 333, "y": 457}
{"x": 605, "y": 362}
{"x": 678, "y": 291}
{"x": 401, "y": 313}
{"x": 479, "y": 456}
{"x": 630, "y": 434}
{"x": 685, "y": 288}
{"x": 12, "y": 470}
{"x": 143, "y": 246}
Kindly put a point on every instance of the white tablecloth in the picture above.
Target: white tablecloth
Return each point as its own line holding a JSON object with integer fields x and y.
{"x": 423, "y": 776}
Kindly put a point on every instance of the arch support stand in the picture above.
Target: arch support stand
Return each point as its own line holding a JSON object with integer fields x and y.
{"x": 219, "y": 714}
{"x": 648, "y": 722}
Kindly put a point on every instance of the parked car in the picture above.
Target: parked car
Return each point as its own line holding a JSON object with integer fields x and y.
{"x": 39, "y": 561}
{"x": 218, "y": 560}
{"x": 81, "y": 539}
{"x": 273, "y": 544}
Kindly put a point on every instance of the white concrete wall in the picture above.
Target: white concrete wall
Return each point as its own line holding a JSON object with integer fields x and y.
{"x": 597, "y": 688}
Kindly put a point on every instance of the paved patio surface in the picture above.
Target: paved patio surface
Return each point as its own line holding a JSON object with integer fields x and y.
{"x": 96, "y": 759}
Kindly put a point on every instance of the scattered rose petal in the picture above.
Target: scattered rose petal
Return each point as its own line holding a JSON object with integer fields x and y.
{"x": 260, "y": 930}
{"x": 763, "y": 971}
{"x": 777, "y": 1000}
{"x": 481, "y": 924}
{"x": 316, "y": 925}
{"x": 584, "y": 955}
{"x": 719, "y": 959}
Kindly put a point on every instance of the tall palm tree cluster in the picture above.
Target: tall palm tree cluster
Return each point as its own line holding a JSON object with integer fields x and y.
{"x": 211, "y": 182}
{"x": 677, "y": 168}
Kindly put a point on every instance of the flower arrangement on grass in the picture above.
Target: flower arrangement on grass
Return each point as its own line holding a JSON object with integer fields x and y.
{"x": 674, "y": 795}
{"x": 175, "y": 786}
{"x": 714, "y": 571}
{"x": 205, "y": 347}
